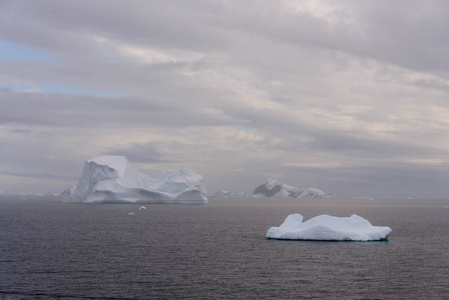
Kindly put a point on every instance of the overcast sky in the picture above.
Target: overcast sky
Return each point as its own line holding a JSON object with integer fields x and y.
{"x": 351, "y": 97}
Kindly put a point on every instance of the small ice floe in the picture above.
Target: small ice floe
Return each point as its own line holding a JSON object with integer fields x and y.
{"x": 130, "y": 213}
{"x": 142, "y": 207}
{"x": 328, "y": 228}
{"x": 446, "y": 207}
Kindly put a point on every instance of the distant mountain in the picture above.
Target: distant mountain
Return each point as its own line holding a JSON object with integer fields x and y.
{"x": 273, "y": 188}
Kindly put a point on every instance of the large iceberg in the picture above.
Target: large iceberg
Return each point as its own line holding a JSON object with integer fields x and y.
{"x": 328, "y": 228}
{"x": 112, "y": 179}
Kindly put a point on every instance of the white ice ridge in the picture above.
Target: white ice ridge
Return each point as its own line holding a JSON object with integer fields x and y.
{"x": 328, "y": 228}
{"x": 112, "y": 179}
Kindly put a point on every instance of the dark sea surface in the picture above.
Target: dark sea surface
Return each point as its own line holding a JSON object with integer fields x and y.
{"x": 55, "y": 250}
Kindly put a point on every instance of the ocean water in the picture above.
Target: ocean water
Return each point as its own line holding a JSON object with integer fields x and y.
{"x": 55, "y": 250}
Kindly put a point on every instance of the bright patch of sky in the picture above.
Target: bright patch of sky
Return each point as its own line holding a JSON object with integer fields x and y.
{"x": 20, "y": 87}
{"x": 14, "y": 52}
{"x": 54, "y": 88}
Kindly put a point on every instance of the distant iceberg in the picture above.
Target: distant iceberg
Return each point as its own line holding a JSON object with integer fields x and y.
{"x": 328, "y": 228}
{"x": 112, "y": 179}
{"x": 275, "y": 189}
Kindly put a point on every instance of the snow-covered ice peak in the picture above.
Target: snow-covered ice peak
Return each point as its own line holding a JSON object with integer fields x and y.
{"x": 113, "y": 179}
{"x": 117, "y": 163}
{"x": 328, "y": 228}
{"x": 271, "y": 183}
{"x": 273, "y": 188}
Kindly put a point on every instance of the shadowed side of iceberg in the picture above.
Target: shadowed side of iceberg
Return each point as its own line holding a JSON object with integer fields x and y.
{"x": 112, "y": 179}
{"x": 140, "y": 195}
{"x": 328, "y": 228}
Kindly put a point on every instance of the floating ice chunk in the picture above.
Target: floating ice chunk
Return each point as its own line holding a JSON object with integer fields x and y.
{"x": 142, "y": 207}
{"x": 130, "y": 213}
{"x": 328, "y": 228}
{"x": 112, "y": 179}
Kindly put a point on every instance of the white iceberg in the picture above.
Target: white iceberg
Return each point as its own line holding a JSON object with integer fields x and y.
{"x": 112, "y": 179}
{"x": 328, "y": 228}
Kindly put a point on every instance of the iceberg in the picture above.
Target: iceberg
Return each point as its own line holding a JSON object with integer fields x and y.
{"x": 112, "y": 179}
{"x": 328, "y": 228}
{"x": 275, "y": 189}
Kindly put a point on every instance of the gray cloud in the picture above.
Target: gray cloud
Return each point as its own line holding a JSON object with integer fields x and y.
{"x": 87, "y": 111}
{"x": 141, "y": 153}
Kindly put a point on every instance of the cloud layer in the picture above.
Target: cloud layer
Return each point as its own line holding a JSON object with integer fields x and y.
{"x": 347, "y": 96}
